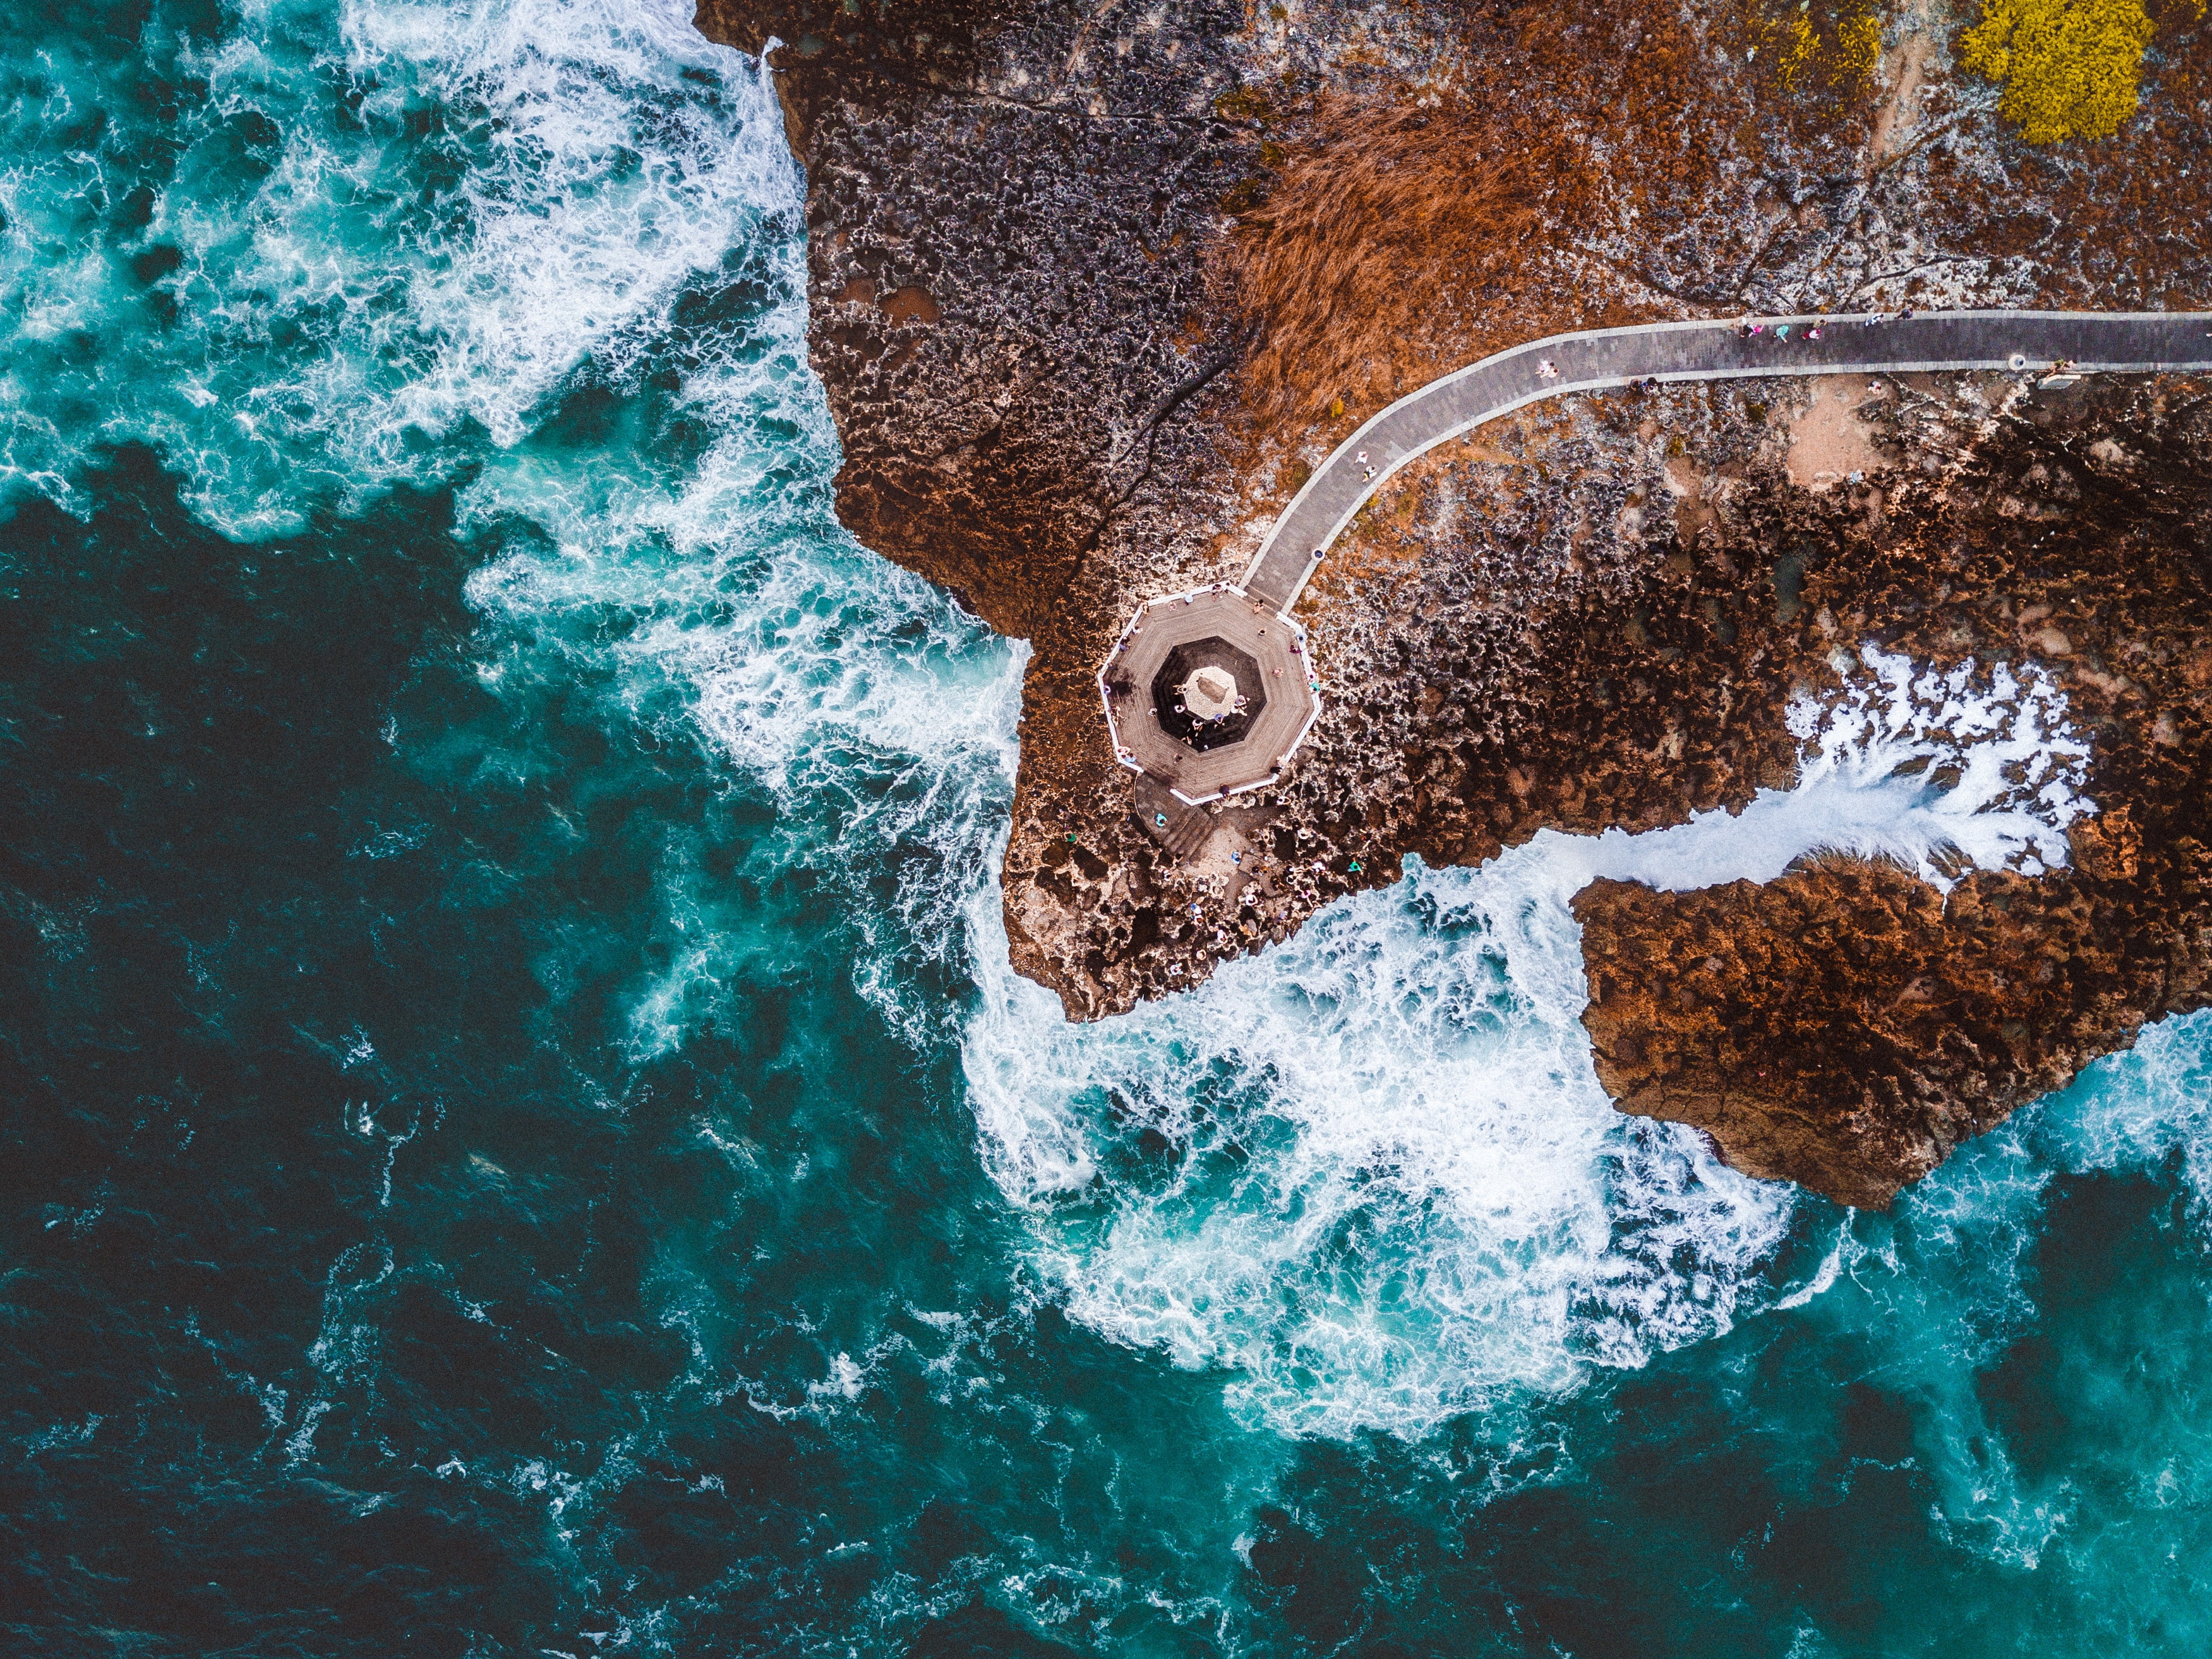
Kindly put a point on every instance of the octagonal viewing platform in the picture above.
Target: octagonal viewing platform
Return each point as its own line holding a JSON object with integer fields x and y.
{"x": 1208, "y": 693}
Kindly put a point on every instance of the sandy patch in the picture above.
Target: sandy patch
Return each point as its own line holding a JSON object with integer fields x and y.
{"x": 1227, "y": 852}
{"x": 1829, "y": 440}
{"x": 1686, "y": 483}
{"x": 1904, "y": 69}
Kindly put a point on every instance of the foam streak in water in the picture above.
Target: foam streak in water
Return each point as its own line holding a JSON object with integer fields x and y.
{"x": 1372, "y": 1172}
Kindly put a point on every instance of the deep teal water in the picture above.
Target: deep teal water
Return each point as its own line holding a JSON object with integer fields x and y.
{"x": 520, "y": 1135}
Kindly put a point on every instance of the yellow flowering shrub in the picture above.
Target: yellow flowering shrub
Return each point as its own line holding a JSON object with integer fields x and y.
{"x": 1838, "y": 51}
{"x": 2069, "y": 67}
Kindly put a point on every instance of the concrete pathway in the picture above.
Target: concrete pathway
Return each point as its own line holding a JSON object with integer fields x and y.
{"x": 2116, "y": 342}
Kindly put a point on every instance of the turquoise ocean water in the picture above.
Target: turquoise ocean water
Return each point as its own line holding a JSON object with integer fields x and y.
{"x": 520, "y": 1136}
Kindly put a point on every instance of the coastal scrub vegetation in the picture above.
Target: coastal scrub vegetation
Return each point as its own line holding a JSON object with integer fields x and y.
{"x": 2069, "y": 67}
{"x": 1394, "y": 229}
{"x": 1375, "y": 217}
{"x": 1397, "y": 228}
{"x": 1829, "y": 50}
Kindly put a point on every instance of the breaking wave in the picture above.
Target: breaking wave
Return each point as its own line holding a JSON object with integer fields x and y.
{"x": 1372, "y": 1171}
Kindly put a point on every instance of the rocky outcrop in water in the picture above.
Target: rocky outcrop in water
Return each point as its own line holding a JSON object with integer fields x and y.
{"x": 1038, "y": 339}
{"x": 1846, "y": 1025}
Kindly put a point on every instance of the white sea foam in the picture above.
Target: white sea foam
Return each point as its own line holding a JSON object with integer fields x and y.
{"x": 2020, "y": 765}
{"x": 1390, "y": 1189}
{"x": 849, "y": 690}
{"x": 334, "y": 315}
{"x": 1932, "y": 770}
{"x": 1371, "y": 1173}
{"x": 1949, "y": 1279}
{"x": 1382, "y": 1184}
{"x": 2141, "y": 1109}
{"x": 599, "y": 185}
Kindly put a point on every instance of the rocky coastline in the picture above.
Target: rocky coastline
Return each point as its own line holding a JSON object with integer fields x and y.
{"x": 1059, "y": 312}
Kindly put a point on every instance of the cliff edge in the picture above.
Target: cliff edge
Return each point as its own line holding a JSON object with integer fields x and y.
{"x": 1095, "y": 286}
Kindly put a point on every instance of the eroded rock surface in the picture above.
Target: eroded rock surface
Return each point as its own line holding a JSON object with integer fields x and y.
{"x": 1048, "y": 274}
{"x": 1847, "y": 1025}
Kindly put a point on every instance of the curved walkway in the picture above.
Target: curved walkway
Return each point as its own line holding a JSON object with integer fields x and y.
{"x": 2112, "y": 342}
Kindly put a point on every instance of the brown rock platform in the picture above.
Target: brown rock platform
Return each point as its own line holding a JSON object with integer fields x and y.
{"x": 1053, "y": 249}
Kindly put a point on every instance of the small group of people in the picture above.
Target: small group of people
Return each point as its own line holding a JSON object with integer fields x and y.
{"x": 1748, "y": 329}
{"x": 1213, "y": 719}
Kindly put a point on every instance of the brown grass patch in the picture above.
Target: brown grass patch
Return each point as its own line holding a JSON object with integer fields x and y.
{"x": 1385, "y": 234}
{"x": 1395, "y": 233}
{"x": 1591, "y": 163}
